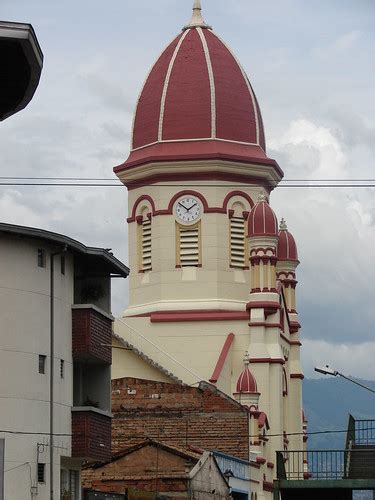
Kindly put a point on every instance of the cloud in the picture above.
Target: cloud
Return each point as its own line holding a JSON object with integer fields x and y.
{"x": 355, "y": 359}
{"x": 347, "y": 40}
{"x": 333, "y": 229}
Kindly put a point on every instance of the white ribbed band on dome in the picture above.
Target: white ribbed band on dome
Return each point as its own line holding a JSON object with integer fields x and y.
{"x": 166, "y": 83}
{"x": 212, "y": 82}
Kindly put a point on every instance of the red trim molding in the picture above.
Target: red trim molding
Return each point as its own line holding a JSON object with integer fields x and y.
{"x": 294, "y": 326}
{"x": 232, "y": 194}
{"x": 206, "y": 208}
{"x": 136, "y": 204}
{"x": 222, "y": 358}
{"x": 301, "y": 376}
{"x": 270, "y": 307}
{"x": 261, "y": 460}
{"x": 204, "y": 315}
{"x": 196, "y": 176}
{"x": 267, "y": 486}
{"x": 268, "y": 360}
{"x": 270, "y": 465}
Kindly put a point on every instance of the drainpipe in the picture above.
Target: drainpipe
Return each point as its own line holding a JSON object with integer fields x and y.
{"x": 52, "y": 367}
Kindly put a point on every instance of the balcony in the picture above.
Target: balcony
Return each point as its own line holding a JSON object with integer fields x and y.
{"x": 92, "y": 334}
{"x": 91, "y": 434}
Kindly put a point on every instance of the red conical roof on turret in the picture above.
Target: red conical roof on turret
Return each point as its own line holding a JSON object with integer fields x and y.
{"x": 262, "y": 220}
{"x": 246, "y": 382}
{"x": 287, "y": 248}
{"x": 197, "y": 103}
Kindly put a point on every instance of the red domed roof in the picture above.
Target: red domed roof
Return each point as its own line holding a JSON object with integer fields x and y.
{"x": 262, "y": 220}
{"x": 246, "y": 382}
{"x": 287, "y": 248}
{"x": 197, "y": 103}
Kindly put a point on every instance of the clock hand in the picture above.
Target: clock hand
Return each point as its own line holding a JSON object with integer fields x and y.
{"x": 195, "y": 204}
{"x": 183, "y": 206}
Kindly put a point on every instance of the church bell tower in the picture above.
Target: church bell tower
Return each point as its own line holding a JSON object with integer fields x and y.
{"x": 212, "y": 275}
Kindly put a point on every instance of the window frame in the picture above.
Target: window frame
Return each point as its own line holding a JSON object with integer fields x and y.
{"x": 41, "y": 473}
{"x": 232, "y": 215}
{"x": 41, "y": 258}
{"x": 42, "y": 364}
{"x": 144, "y": 222}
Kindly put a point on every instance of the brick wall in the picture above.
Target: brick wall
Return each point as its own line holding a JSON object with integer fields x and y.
{"x": 177, "y": 415}
{"x": 90, "y": 329}
{"x": 90, "y": 431}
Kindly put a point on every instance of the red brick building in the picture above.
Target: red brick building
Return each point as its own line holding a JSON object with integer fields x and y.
{"x": 151, "y": 468}
{"x": 178, "y": 415}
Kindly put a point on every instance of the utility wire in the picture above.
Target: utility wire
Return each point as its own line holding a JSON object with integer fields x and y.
{"x": 117, "y": 180}
{"x": 110, "y": 182}
{"x": 141, "y": 184}
{"x": 193, "y": 434}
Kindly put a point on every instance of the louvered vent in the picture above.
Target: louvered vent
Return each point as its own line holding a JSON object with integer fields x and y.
{"x": 189, "y": 246}
{"x": 237, "y": 242}
{"x": 146, "y": 245}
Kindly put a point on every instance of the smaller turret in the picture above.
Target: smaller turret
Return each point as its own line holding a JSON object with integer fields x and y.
{"x": 263, "y": 240}
{"x": 287, "y": 256}
{"x": 247, "y": 389}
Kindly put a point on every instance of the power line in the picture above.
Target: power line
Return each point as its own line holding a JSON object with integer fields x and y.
{"x": 193, "y": 434}
{"x": 111, "y": 179}
{"x": 157, "y": 185}
{"x": 113, "y": 182}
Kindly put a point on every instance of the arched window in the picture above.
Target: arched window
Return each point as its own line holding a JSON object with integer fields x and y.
{"x": 188, "y": 242}
{"x": 144, "y": 240}
{"x": 238, "y": 242}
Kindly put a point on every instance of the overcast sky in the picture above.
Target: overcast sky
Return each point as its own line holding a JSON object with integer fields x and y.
{"x": 312, "y": 65}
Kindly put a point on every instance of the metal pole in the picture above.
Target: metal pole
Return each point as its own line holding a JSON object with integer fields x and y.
{"x": 51, "y": 375}
{"x": 355, "y": 382}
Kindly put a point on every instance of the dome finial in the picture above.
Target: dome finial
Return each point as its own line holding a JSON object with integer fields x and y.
{"x": 262, "y": 197}
{"x": 283, "y": 226}
{"x": 246, "y": 359}
{"x": 197, "y": 20}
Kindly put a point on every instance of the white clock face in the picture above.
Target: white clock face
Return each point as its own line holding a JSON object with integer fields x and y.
{"x": 188, "y": 210}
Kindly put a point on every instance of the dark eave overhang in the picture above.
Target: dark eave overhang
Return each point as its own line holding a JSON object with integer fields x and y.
{"x": 20, "y": 66}
{"x": 109, "y": 261}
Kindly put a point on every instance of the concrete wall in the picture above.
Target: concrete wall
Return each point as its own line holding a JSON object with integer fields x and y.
{"x": 24, "y": 392}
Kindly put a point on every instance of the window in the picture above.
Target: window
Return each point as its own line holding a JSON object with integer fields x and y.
{"x": 41, "y": 258}
{"x": 63, "y": 264}
{"x": 188, "y": 241}
{"x": 62, "y": 367}
{"x": 70, "y": 483}
{"x": 42, "y": 363}
{"x": 237, "y": 242}
{"x": 41, "y": 473}
{"x": 145, "y": 242}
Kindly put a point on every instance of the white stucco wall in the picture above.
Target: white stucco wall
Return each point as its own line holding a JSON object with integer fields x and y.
{"x": 24, "y": 392}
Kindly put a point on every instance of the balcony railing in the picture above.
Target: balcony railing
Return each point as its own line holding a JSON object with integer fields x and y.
{"x": 364, "y": 433}
{"x": 326, "y": 464}
{"x": 91, "y": 434}
{"x": 92, "y": 334}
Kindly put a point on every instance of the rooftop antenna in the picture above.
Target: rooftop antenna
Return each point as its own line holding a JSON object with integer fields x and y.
{"x": 197, "y": 20}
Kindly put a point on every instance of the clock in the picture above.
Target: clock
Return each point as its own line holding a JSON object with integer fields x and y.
{"x": 188, "y": 210}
